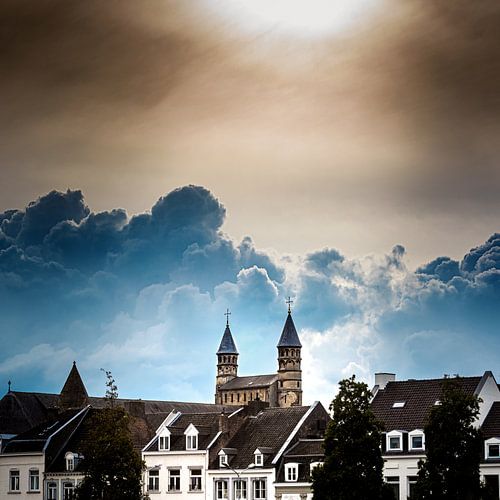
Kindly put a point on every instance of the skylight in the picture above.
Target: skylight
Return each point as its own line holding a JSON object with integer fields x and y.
{"x": 399, "y": 404}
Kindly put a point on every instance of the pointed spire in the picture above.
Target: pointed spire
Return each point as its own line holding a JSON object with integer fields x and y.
{"x": 289, "y": 337}
{"x": 10, "y": 383}
{"x": 73, "y": 394}
{"x": 227, "y": 345}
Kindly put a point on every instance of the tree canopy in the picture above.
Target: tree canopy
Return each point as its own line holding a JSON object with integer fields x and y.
{"x": 112, "y": 467}
{"x": 453, "y": 444}
{"x": 353, "y": 464}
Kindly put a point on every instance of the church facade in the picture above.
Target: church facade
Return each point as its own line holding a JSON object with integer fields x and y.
{"x": 281, "y": 389}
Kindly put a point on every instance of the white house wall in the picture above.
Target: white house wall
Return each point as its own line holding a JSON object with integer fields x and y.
{"x": 254, "y": 473}
{"x": 182, "y": 460}
{"x": 22, "y": 463}
{"x": 402, "y": 467}
{"x": 489, "y": 394}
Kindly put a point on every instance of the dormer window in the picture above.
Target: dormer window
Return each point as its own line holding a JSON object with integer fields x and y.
{"x": 164, "y": 441}
{"x": 492, "y": 448}
{"x": 259, "y": 459}
{"x": 223, "y": 460}
{"x": 394, "y": 441}
{"x": 416, "y": 440}
{"x": 191, "y": 438}
{"x": 399, "y": 404}
{"x": 291, "y": 472}
{"x": 70, "y": 461}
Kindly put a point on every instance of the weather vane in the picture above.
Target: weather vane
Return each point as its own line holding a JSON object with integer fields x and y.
{"x": 289, "y": 302}
{"x": 227, "y": 314}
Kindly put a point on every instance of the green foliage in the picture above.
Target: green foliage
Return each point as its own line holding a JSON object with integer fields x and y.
{"x": 112, "y": 467}
{"x": 451, "y": 470}
{"x": 353, "y": 459}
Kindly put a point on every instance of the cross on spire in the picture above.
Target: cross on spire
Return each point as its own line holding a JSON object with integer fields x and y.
{"x": 10, "y": 383}
{"x": 227, "y": 314}
{"x": 289, "y": 302}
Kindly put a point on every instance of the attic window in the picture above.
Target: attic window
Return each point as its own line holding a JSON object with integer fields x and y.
{"x": 259, "y": 459}
{"x": 164, "y": 443}
{"x": 394, "y": 441}
{"x": 191, "y": 438}
{"x": 222, "y": 460}
{"x": 492, "y": 448}
{"x": 70, "y": 461}
{"x": 291, "y": 472}
{"x": 437, "y": 402}
{"x": 416, "y": 440}
{"x": 399, "y": 404}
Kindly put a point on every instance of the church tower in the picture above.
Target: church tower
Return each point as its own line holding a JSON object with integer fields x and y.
{"x": 227, "y": 359}
{"x": 289, "y": 358}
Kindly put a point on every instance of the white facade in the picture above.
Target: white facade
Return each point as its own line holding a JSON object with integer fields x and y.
{"x": 258, "y": 484}
{"x": 25, "y": 467}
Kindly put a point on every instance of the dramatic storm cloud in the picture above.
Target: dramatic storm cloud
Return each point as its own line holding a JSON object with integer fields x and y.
{"x": 144, "y": 296}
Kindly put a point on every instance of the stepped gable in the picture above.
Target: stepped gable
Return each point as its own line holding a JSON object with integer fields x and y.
{"x": 268, "y": 429}
{"x": 249, "y": 382}
{"x": 227, "y": 344}
{"x": 73, "y": 394}
{"x": 418, "y": 396}
{"x": 289, "y": 337}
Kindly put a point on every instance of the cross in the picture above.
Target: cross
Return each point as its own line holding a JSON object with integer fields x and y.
{"x": 289, "y": 302}
{"x": 227, "y": 314}
{"x": 9, "y": 384}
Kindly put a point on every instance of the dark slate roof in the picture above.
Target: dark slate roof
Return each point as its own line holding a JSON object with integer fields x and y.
{"x": 491, "y": 424}
{"x": 419, "y": 397}
{"x": 36, "y": 438}
{"x": 289, "y": 337}
{"x": 306, "y": 448}
{"x": 249, "y": 382}
{"x": 269, "y": 429}
{"x": 207, "y": 425}
{"x": 20, "y": 411}
{"x": 73, "y": 394}
{"x": 227, "y": 345}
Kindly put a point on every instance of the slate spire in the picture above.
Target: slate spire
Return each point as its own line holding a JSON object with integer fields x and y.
{"x": 289, "y": 337}
{"x": 227, "y": 345}
{"x": 73, "y": 394}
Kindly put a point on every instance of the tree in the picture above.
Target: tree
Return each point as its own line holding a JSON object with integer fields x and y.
{"x": 451, "y": 470}
{"x": 112, "y": 467}
{"x": 353, "y": 464}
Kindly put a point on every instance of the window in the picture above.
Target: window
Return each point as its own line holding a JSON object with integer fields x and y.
{"x": 153, "y": 480}
{"x": 259, "y": 459}
{"x": 491, "y": 485}
{"x": 52, "y": 491}
{"x": 240, "y": 489}
{"x": 416, "y": 440}
{"x": 164, "y": 443}
{"x": 259, "y": 489}
{"x": 291, "y": 472}
{"x": 34, "y": 480}
{"x": 399, "y": 404}
{"x": 393, "y": 482}
{"x": 174, "y": 479}
{"x": 412, "y": 480}
{"x": 68, "y": 490}
{"x": 221, "y": 489}
{"x": 14, "y": 480}
{"x": 493, "y": 451}
{"x": 70, "y": 461}
{"x": 191, "y": 438}
{"x": 394, "y": 441}
{"x": 195, "y": 480}
{"x": 222, "y": 460}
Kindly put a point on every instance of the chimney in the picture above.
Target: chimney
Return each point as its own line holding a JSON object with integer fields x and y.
{"x": 223, "y": 423}
{"x": 382, "y": 379}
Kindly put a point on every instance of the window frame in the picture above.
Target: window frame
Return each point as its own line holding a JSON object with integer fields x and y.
{"x": 191, "y": 434}
{"x": 165, "y": 437}
{"x": 14, "y": 486}
{"x": 224, "y": 491}
{"x": 52, "y": 487}
{"x": 491, "y": 442}
{"x": 67, "y": 485}
{"x": 154, "y": 480}
{"x": 32, "y": 474}
{"x": 240, "y": 485}
{"x": 291, "y": 472}
{"x": 416, "y": 433}
{"x": 258, "y": 459}
{"x": 259, "y": 481}
{"x": 176, "y": 477}
{"x": 199, "y": 477}
{"x": 394, "y": 434}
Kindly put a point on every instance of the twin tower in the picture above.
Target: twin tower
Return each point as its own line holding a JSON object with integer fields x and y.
{"x": 283, "y": 388}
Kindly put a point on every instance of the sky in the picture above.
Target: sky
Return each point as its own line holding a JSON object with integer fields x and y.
{"x": 163, "y": 161}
